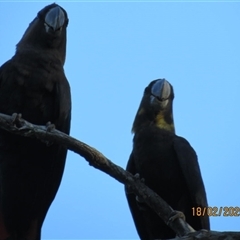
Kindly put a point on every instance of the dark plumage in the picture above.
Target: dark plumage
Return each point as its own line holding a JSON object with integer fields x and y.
{"x": 166, "y": 161}
{"x": 33, "y": 83}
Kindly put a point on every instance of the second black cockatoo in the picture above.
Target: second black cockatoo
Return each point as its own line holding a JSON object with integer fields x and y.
{"x": 167, "y": 163}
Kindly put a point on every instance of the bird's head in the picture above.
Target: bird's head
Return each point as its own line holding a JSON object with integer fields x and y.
{"x": 156, "y": 107}
{"x": 47, "y": 31}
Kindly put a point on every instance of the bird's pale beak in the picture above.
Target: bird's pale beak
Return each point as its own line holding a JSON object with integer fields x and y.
{"x": 161, "y": 91}
{"x": 54, "y": 19}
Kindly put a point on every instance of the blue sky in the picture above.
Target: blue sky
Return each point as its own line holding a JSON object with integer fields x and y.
{"x": 114, "y": 50}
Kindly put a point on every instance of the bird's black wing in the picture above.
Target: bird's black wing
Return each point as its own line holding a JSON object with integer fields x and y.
{"x": 190, "y": 168}
{"x": 137, "y": 214}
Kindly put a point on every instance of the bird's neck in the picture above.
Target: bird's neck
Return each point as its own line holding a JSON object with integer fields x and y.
{"x": 165, "y": 122}
{"x": 161, "y": 120}
{"x": 52, "y": 55}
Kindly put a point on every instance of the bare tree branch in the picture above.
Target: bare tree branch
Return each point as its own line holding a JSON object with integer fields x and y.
{"x": 19, "y": 126}
{"x": 210, "y": 235}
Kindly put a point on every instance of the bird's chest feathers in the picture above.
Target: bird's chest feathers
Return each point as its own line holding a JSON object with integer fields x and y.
{"x": 155, "y": 156}
{"x": 157, "y": 163}
{"x": 38, "y": 75}
{"x": 32, "y": 85}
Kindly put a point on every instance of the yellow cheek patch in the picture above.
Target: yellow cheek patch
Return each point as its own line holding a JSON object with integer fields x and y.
{"x": 161, "y": 123}
{"x": 141, "y": 111}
